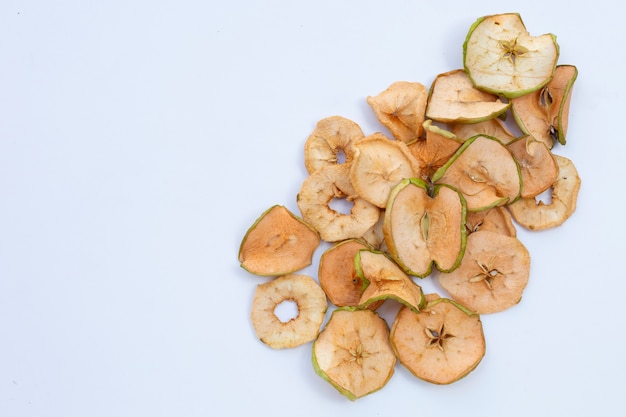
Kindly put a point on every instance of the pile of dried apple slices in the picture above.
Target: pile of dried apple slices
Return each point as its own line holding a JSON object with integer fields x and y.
{"x": 464, "y": 162}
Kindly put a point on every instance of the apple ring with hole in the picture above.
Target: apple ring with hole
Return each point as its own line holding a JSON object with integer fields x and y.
{"x": 331, "y": 136}
{"x": 311, "y": 303}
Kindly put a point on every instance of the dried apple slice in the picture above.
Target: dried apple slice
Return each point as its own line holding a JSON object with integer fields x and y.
{"x": 537, "y": 215}
{"x": 433, "y": 151}
{"x": 316, "y": 193}
{"x": 493, "y": 274}
{"x": 544, "y": 113}
{"x": 353, "y": 352}
{"x": 379, "y": 164}
{"x": 485, "y": 172}
{"x": 311, "y": 304}
{"x": 278, "y": 243}
{"x": 331, "y": 136}
{"x": 454, "y": 99}
{"x": 495, "y": 219}
{"x": 385, "y": 280}
{"x": 493, "y": 127}
{"x": 441, "y": 344}
{"x": 422, "y": 230}
{"x": 400, "y": 108}
{"x": 537, "y": 165}
{"x": 501, "y": 57}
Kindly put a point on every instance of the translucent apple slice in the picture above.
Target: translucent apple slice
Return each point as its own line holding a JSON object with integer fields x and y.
{"x": 544, "y": 113}
{"x": 278, "y": 243}
{"x": 454, "y": 99}
{"x": 400, "y": 108}
{"x": 441, "y": 344}
{"x": 493, "y": 274}
{"x": 353, "y": 352}
{"x": 501, "y": 57}
{"x": 537, "y": 165}
{"x": 423, "y": 229}
{"x": 484, "y": 171}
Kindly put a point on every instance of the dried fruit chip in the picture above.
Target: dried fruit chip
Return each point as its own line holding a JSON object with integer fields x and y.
{"x": 310, "y": 301}
{"x": 493, "y": 274}
{"x": 422, "y": 230}
{"x": 278, "y": 243}
{"x": 353, "y": 352}
{"x": 331, "y": 136}
{"x": 319, "y": 189}
{"x": 441, "y": 344}
{"x": 495, "y": 219}
{"x": 501, "y": 57}
{"x": 537, "y": 215}
{"x": 537, "y": 165}
{"x": 454, "y": 99}
{"x": 433, "y": 151}
{"x": 400, "y": 108}
{"x": 493, "y": 127}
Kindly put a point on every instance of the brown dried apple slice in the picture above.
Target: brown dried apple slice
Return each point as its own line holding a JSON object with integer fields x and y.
{"x": 400, "y": 108}
{"x": 493, "y": 127}
{"x": 537, "y": 165}
{"x": 316, "y": 193}
{"x": 433, "y": 151}
{"x": 495, "y": 219}
{"x": 278, "y": 243}
{"x": 454, "y": 99}
{"x": 544, "y": 113}
{"x": 493, "y": 274}
{"x": 422, "y": 230}
{"x": 311, "y": 304}
{"x": 537, "y": 215}
{"x": 379, "y": 164}
{"x": 353, "y": 352}
{"x": 441, "y": 344}
{"x": 331, "y": 136}
{"x": 485, "y": 172}
{"x": 385, "y": 280}
{"x": 501, "y": 57}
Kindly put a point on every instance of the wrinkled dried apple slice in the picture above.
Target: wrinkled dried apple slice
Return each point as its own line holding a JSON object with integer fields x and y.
{"x": 537, "y": 215}
{"x": 433, "y": 151}
{"x": 385, "y": 280}
{"x": 537, "y": 165}
{"x": 316, "y": 193}
{"x": 353, "y": 352}
{"x": 501, "y": 57}
{"x": 485, "y": 172}
{"x": 400, "y": 108}
{"x": 544, "y": 113}
{"x": 493, "y": 274}
{"x": 495, "y": 219}
{"x": 454, "y": 99}
{"x": 493, "y": 127}
{"x": 441, "y": 344}
{"x": 311, "y": 304}
{"x": 278, "y": 243}
{"x": 379, "y": 164}
{"x": 422, "y": 230}
{"x": 331, "y": 136}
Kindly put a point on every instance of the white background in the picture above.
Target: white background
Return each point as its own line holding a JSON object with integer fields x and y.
{"x": 139, "y": 139}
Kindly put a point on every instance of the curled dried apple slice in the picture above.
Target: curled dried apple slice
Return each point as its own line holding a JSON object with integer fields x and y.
{"x": 278, "y": 243}
{"x": 454, "y": 99}
{"x": 331, "y": 136}
{"x": 544, "y": 113}
{"x": 493, "y": 127}
{"x": 493, "y": 274}
{"x": 434, "y": 150}
{"x": 337, "y": 274}
{"x": 537, "y": 215}
{"x": 495, "y": 219}
{"x": 353, "y": 352}
{"x": 317, "y": 192}
{"x": 537, "y": 165}
{"x": 400, "y": 108}
{"x": 501, "y": 57}
{"x": 441, "y": 344}
{"x": 423, "y": 229}
{"x": 311, "y": 304}
{"x": 385, "y": 280}
{"x": 485, "y": 172}
{"x": 379, "y": 164}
